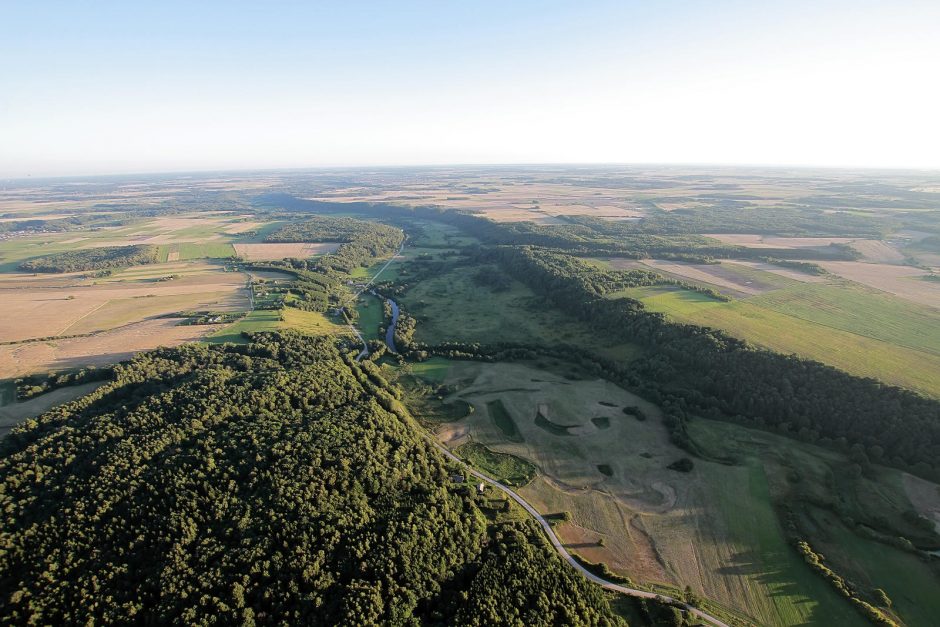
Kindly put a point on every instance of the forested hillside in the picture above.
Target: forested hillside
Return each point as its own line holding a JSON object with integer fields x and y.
{"x": 93, "y": 259}
{"x": 258, "y": 484}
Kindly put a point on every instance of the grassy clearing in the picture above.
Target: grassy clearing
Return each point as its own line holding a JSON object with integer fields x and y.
{"x": 790, "y": 591}
{"x": 371, "y": 316}
{"x": 211, "y": 250}
{"x": 909, "y": 581}
{"x": 508, "y": 469}
{"x": 825, "y": 333}
{"x": 258, "y": 320}
{"x": 310, "y": 322}
{"x": 433, "y": 370}
{"x": 772, "y": 462}
{"x": 452, "y": 307}
{"x": 859, "y": 310}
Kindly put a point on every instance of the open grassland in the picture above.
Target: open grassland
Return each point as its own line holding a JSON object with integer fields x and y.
{"x": 255, "y": 321}
{"x": 433, "y": 370}
{"x": 191, "y": 250}
{"x": 309, "y": 322}
{"x": 860, "y": 332}
{"x": 902, "y": 281}
{"x": 713, "y": 528}
{"x": 371, "y": 316}
{"x": 452, "y": 307}
{"x": 825, "y": 476}
{"x": 860, "y": 310}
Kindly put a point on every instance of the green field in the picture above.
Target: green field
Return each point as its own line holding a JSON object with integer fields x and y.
{"x": 825, "y": 477}
{"x": 310, "y": 322}
{"x": 258, "y": 320}
{"x": 452, "y": 307}
{"x": 714, "y": 528}
{"x": 210, "y": 250}
{"x": 371, "y": 316}
{"x": 859, "y": 331}
{"x": 508, "y": 469}
{"x": 433, "y": 370}
{"x": 861, "y": 311}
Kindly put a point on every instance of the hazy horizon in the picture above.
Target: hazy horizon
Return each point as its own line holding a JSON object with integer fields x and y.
{"x": 120, "y": 89}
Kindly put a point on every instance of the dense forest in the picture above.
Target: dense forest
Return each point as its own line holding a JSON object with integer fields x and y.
{"x": 270, "y": 483}
{"x": 93, "y": 259}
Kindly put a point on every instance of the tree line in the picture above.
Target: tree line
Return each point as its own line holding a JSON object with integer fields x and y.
{"x": 94, "y": 259}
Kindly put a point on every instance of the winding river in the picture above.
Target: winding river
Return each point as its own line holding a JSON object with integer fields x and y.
{"x": 390, "y": 332}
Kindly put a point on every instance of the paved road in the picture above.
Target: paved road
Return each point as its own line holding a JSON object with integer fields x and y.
{"x": 609, "y": 585}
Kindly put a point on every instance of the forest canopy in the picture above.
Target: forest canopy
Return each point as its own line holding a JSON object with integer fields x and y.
{"x": 263, "y": 483}
{"x": 93, "y": 259}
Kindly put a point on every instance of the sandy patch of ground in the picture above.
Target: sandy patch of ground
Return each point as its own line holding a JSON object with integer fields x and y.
{"x": 173, "y": 255}
{"x": 17, "y": 360}
{"x": 901, "y": 281}
{"x": 12, "y": 415}
{"x": 273, "y": 251}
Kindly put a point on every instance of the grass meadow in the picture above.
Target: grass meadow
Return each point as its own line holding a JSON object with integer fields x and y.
{"x": 715, "y": 528}
{"x": 861, "y": 331}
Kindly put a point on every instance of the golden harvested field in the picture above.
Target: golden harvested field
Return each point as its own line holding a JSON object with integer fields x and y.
{"x": 273, "y": 252}
{"x": 901, "y": 281}
{"x": 108, "y": 347}
{"x": 42, "y": 310}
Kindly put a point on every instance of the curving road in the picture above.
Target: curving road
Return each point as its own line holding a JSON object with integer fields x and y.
{"x": 609, "y": 585}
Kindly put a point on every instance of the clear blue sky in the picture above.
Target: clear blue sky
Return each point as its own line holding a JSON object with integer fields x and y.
{"x": 98, "y": 87}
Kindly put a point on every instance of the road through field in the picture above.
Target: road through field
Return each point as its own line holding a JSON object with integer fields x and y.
{"x": 608, "y": 585}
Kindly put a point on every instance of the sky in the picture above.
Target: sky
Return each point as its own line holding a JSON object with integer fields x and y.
{"x": 115, "y": 87}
